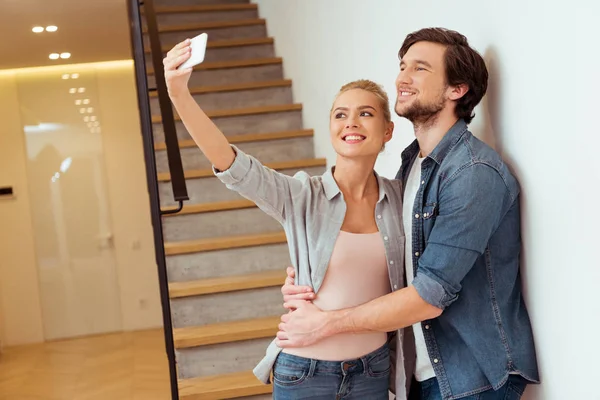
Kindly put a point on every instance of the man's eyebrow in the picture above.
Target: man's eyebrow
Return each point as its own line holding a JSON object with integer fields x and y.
{"x": 422, "y": 62}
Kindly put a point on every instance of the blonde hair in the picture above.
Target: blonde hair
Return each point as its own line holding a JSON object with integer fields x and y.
{"x": 372, "y": 87}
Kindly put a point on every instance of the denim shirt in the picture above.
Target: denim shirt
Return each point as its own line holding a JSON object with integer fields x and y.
{"x": 466, "y": 247}
{"x": 311, "y": 211}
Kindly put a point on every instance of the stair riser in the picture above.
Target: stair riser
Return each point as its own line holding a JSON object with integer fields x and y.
{"x": 219, "y": 54}
{"x": 170, "y": 39}
{"x": 221, "y": 263}
{"x": 216, "y": 224}
{"x": 231, "y": 76}
{"x": 174, "y": 19}
{"x": 239, "y": 125}
{"x": 221, "y": 359}
{"x": 208, "y": 190}
{"x": 226, "y": 307}
{"x": 266, "y": 151}
{"x": 237, "y": 99}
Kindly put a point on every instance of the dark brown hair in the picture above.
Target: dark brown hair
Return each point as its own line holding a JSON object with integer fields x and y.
{"x": 463, "y": 65}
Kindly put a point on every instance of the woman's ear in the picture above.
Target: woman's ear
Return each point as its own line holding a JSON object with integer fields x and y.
{"x": 389, "y": 132}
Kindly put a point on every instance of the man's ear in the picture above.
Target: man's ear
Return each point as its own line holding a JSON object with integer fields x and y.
{"x": 458, "y": 91}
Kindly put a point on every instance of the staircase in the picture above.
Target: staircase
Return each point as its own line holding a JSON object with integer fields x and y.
{"x": 226, "y": 259}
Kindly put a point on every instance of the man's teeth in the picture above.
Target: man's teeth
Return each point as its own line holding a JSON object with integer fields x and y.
{"x": 406, "y": 93}
{"x": 353, "y": 137}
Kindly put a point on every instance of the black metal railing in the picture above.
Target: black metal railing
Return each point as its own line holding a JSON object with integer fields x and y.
{"x": 174, "y": 158}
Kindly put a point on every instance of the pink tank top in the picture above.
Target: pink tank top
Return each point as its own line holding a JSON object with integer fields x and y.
{"x": 357, "y": 273}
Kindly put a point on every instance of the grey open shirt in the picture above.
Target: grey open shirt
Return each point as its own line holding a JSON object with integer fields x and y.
{"x": 311, "y": 211}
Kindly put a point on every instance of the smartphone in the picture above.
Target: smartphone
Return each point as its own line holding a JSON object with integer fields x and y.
{"x": 198, "y": 46}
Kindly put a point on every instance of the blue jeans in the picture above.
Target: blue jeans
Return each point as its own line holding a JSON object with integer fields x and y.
{"x": 304, "y": 378}
{"x": 430, "y": 390}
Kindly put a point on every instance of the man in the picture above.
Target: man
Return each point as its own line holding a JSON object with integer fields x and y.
{"x": 463, "y": 300}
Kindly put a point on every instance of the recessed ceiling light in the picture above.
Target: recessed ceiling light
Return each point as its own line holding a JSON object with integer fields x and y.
{"x": 37, "y": 29}
{"x": 86, "y": 119}
{"x": 74, "y": 76}
{"x": 51, "y": 28}
{"x": 90, "y": 110}
{"x": 72, "y": 90}
{"x": 86, "y": 101}
{"x": 82, "y": 110}
{"x": 78, "y": 102}
{"x": 65, "y": 76}
{"x": 93, "y": 118}
{"x": 90, "y": 124}
{"x": 53, "y": 56}
{"x": 81, "y": 90}
{"x": 65, "y": 55}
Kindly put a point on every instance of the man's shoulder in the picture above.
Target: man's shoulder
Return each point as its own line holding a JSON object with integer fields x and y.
{"x": 471, "y": 155}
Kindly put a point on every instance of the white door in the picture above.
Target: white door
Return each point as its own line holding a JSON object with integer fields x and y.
{"x": 70, "y": 211}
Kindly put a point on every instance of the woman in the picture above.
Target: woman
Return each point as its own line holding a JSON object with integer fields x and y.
{"x": 343, "y": 230}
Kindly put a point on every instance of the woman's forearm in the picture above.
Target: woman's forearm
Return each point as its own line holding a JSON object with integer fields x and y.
{"x": 209, "y": 138}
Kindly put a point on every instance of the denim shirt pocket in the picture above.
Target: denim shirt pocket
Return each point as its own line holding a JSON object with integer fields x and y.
{"x": 430, "y": 212}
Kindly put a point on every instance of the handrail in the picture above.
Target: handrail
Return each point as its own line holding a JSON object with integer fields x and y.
{"x": 166, "y": 110}
{"x": 179, "y": 189}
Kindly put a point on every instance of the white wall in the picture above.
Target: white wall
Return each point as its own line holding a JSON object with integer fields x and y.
{"x": 20, "y": 310}
{"x": 540, "y": 113}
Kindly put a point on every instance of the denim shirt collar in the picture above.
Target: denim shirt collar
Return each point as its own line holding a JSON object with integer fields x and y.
{"x": 332, "y": 189}
{"x": 444, "y": 146}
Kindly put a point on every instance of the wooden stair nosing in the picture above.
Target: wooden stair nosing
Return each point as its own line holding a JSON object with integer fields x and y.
{"x": 279, "y": 165}
{"x": 238, "y": 112}
{"x": 226, "y": 284}
{"x": 247, "y": 138}
{"x": 218, "y": 44}
{"x": 227, "y": 386}
{"x": 209, "y": 25}
{"x": 236, "y": 87}
{"x": 225, "y": 332}
{"x": 210, "y": 207}
{"x": 203, "y": 8}
{"x": 224, "y": 243}
{"x": 251, "y": 62}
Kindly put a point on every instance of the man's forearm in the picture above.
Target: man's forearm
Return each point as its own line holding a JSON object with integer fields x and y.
{"x": 384, "y": 314}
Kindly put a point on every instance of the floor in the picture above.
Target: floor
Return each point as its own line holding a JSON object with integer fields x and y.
{"x": 126, "y": 366}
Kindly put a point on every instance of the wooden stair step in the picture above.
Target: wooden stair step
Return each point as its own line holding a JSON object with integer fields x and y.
{"x": 226, "y": 284}
{"x": 218, "y": 44}
{"x": 205, "y": 173}
{"x": 210, "y": 25}
{"x": 236, "y": 87}
{"x": 226, "y": 332}
{"x": 238, "y": 112}
{"x": 253, "y": 62}
{"x": 203, "y": 8}
{"x": 227, "y": 386}
{"x": 224, "y": 243}
{"x": 250, "y": 137}
{"x": 210, "y": 207}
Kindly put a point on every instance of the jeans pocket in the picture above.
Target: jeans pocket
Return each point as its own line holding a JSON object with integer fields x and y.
{"x": 289, "y": 375}
{"x": 380, "y": 365}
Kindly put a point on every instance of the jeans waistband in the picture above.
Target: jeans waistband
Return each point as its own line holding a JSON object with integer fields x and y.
{"x": 342, "y": 367}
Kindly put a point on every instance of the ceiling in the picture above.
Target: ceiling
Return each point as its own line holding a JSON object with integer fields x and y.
{"x": 91, "y": 30}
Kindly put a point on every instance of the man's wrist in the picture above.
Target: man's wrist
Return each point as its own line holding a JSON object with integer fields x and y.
{"x": 337, "y": 322}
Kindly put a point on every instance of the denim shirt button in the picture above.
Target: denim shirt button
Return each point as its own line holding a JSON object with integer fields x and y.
{"x": 426, "y": 326}
{"x": 417, "y": 254}
{"x": 379, "y": 216}
{"x": 436, "y": 360}
{"x": 385, "y": 238}
{"x": 395, "y": 286}
{"x": 392, "y": 262}
{"x": 417, "y": 216}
